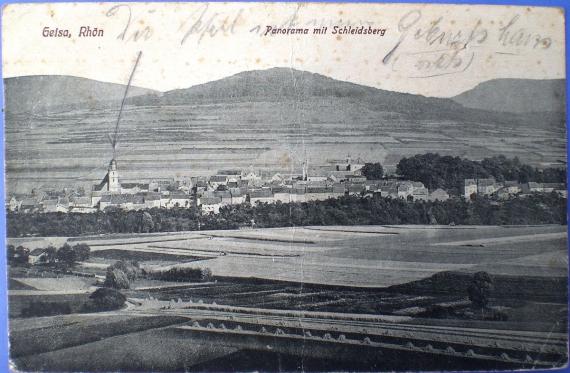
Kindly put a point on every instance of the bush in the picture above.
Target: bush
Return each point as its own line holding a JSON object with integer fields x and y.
{"x": 130, "y": 268}
{"x": 480, "y": 289}
{"x": 116, "y": 278}
{"x": 36, "y": 309}
{"x": 104, "y": 299}
{"x": 206, "y": 275}
{"x": 51, "y": 254}
{"x": 66, "y": 255}
{"x": 373, "y": 171}
{"x": 82, "y": 251}
{"x": 438, "y": 312}
{"x": 184, "y": 274}
{"x": 19, "y": 255}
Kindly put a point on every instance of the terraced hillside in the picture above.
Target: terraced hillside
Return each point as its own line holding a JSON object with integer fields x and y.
{"x": 209, "y": 127}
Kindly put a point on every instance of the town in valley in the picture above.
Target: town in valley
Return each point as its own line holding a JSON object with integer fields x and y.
{"x": 234, "y": 187}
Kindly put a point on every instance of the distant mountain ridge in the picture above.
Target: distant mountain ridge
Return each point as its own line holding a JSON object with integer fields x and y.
{"x": 40, "y": 93}
{"x": 498, "y": 100}
{"x": 516, "y": 96}
{"x": 285, "y": 83}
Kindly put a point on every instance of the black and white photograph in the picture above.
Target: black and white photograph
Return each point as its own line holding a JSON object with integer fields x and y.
{"x": 285, "y": 187}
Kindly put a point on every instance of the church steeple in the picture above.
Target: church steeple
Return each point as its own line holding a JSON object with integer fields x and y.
{"x": 113, "y": 184}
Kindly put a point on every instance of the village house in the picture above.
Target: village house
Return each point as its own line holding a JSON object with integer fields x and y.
{"x": 355, "y": 189}
{"x": 389, "y": 190}
{"x": 225, "y": 197}
{"x": 315, "y": 178}
{"x": 512, "y": 186}
{"x": 185, "y": 185}
{"x": 232, "y": 175}
{"x": 419, "y": 191}
{"x": 238, "y": 196}
{"x": 210, "y": 205}
{"x": 405, "y": 189}
{"x": 39, "y": 255}
{"x": 160, "y": 185}
{"x": 261, "y": 195}
{"x": 277, "y": 179}
{"x": 55, "y": 205}
{"x": 298, "y": 195}
{"x": 348, "y": 165}
{"x": 134, "y": 188}
{"x": 152, "y": 200}
{"x": 338, "y": 190}
{"x": 281, "y": 194}
{"x": 318, "y": 193}
{"x": 13, "y": 204}
{"x": 484, "y": 187}
{"x": 253, "y": 178}
{"x": 487, "y": 187}
{"x": 552, "y": 187}
{"x": 176, "y": 199}
{"x": 509, "y": 189}
{"x": 122, "y": 201}
{"x": 49, "y": 205}
{"x": 371, "y": 185}
{"x": 470, "y": 188}
{"x": 200, "y": 185}
{"x": 533, "y": 187}
{"x": 438, "y": 195}
{"x": 356, "y": 179}
{"x": 81, "y": 205}
{"x": 217, "y": 180}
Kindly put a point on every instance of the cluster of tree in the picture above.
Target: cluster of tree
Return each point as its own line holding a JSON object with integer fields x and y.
{"x": 104, "y": 299}
{"x": 183, "y": 274}
{"x": 449, "y": 173}
{"x": 373, "y": 171}
{"x": 548, "y": 208}
{"x": 18, "y": 255}
{"x": 480, "y": 289}
{"x": 66, "y": 255}
{"x": 69, "y": 255}
{"x": 120, "y": 274}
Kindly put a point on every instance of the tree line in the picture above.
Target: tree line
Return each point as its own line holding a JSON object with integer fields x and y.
{"x": 66, "y": 255}
{"x": 449, "y": 173}
{"x": 121, "y": 274}
{"x": 547, "y": 208}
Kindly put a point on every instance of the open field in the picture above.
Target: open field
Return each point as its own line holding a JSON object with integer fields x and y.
{"x": 368, "y": 256}
{"x": 30, "y": 339}
{"x": 391, "y": 283}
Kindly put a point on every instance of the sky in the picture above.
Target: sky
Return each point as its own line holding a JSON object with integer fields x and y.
{"x": 432, "y": 50}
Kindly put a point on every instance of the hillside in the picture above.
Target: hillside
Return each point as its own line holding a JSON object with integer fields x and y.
{"x": 262, "y": 119}
{"x": 516, "y": 96}
{"x": 40, "y": 93}
{"x": 289, "y": 84}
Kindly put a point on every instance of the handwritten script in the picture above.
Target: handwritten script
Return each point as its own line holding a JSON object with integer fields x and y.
{"x": 446, "y": 51}
{"x": 426, "y": 47}
{"x": 202, "y": 22}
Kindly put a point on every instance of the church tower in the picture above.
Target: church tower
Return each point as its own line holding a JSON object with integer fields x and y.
{"x": 113, "y": 185}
